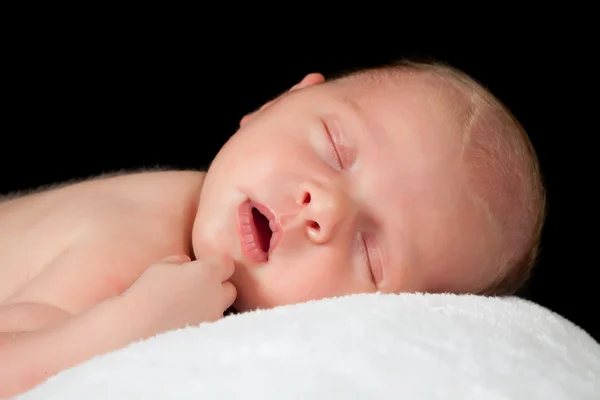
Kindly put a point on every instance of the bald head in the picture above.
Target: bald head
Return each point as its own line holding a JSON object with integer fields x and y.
{"x": 498, "y": 160}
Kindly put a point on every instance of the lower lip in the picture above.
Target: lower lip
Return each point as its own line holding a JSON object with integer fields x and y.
{"x": 249, "y": 236}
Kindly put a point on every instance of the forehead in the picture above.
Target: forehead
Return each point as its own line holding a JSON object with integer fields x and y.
{"x": 410, "y": 145}
{"x": 418, "y": 119}
{"x": 409, "y": 171}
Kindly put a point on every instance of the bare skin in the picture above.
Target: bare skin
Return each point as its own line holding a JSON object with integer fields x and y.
{"x": 358, "y": 193}
{"x": 69, "y": 258}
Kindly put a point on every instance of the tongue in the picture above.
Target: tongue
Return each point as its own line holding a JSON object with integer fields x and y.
{"x": 262, "y": 229}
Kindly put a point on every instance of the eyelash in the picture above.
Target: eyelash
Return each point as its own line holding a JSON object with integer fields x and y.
{"x": 365, "y": 252}
{"x": 335, "y": 150}
{"x": 368, "y": 258}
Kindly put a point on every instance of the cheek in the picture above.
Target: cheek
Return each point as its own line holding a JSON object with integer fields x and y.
{"x": 268, "y": 154}
{"x": 298, "y": 279}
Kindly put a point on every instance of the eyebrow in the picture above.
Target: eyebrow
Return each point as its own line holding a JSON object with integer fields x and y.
{"x": 352, "y": 103}
{"x": 357, "y": 113}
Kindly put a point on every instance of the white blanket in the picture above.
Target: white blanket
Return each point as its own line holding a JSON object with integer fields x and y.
{"x": 408, "y": 346}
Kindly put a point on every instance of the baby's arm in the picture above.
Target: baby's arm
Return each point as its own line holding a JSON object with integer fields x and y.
{"x": 31, "y": 357}
{"x": 57, "y": 320}
{"x": 167, "y": 296}
{"x": 26, "y": 317}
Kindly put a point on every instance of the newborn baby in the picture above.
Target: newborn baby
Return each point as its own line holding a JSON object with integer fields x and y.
{"x": 404, "y": 178}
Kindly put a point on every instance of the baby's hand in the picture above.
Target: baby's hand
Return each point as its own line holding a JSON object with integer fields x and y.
{"x": 176, "y": 292}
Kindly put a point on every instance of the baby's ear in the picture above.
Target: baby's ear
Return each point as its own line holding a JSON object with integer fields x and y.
{"x": 308, "y": 80}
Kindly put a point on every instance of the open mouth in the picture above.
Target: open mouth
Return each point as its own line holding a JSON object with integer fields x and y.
{"x": 258, "y": 230}
{"x": 263, "y": 232}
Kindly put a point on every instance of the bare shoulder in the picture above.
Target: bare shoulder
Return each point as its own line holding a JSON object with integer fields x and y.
{"x": 100, "y": 193}
{"x": 143, "y": 176}
{"x": 122, "y": 221}
{"x": 165, "y": 197}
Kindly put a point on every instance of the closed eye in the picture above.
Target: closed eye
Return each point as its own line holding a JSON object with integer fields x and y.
{"x": 372, "y": 263}
{"x": 343, "y": 154}
{"x": 334, "y": 148}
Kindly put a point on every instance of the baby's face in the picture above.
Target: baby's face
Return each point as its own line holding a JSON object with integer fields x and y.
{"x": 329, "y": 192}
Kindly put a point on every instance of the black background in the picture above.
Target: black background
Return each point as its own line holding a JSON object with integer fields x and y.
{"x": 78, "y": 102}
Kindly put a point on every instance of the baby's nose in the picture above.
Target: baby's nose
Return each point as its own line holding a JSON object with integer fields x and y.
{"x": 323, "y": 211}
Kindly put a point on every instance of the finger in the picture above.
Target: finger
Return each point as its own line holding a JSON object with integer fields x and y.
{"x": 176, "y": 259}
{"x": 229, "y": 294}
{"x": 221, "y": 267}
{"x": 211, "y": 257}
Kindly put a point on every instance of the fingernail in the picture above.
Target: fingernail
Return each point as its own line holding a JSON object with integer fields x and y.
{"x": 178, "y": 258}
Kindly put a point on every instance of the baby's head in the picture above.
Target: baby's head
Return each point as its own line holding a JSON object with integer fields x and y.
{"x": 407, "y": 178}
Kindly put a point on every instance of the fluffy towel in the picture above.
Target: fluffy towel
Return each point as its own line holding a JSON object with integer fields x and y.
{"x": 409, "y": 346}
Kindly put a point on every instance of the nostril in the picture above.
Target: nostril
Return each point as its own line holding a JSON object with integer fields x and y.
{"x": 306, "y": 199}
{"x": 314, "y": 225}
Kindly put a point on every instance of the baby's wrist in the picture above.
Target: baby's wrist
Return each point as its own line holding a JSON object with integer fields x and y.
{"x": 133, "y": 319}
